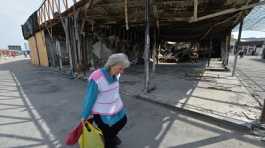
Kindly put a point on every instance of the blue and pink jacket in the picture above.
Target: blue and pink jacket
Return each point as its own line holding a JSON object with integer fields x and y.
{"x": 93, "y": 99}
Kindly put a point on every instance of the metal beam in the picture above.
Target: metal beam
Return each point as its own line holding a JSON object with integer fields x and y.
{"x": 147, "y": 46}
{"x": 228, "y": 11}
{"x": 195, "y": 12}
{"x": 237, "y": 46}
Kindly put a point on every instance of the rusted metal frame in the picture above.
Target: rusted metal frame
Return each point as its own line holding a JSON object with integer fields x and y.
{"x": 46, "y": 9}
{"x": 87, "y": 6}
{"x": 74, "y": 1}
{"x": 51, "y": 7}
{"x": 147, "y": 47}
{"x": 154, "y": 52}
{"x": 237, "y": 46}
{"x": 228, "y": 11}
{"x": 44, "y": 13}
{"x": 39, "y": 17}
{"x": 177, "y": 19}
{"x": 195, "y": 13}
{"x": 57, "y": 4}
{"x": 213, "y": 26}
{"x": 156, "y": 14}
{"x": 73, "y": 42}
{"x": 227, "y": 46}
{"x": 210, "y": 52}
{"x": 65, "y": 22}
{"x": 156, "y": 37}
{"x": 110, "y": 19}
{"x": 120, "y": 4}
{"x": 140, "y": 3}
{"x": 47, "y": 6}
{"x": 126, "y": 14}
{"x": 77, "y": 37}
{"x": 65, "y": 2}
{"x": 77, "y": 40}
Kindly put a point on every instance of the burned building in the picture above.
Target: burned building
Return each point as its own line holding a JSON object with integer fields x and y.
{"x": 77, "y": 34}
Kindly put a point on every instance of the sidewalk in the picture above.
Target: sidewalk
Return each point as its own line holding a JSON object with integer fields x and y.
{"x": 39, "y": 106}
{"x": 209, "y": 91}
{"x": 190, "y": 87}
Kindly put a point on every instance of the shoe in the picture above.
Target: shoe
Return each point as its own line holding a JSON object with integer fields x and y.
{"x": 116, "y": 140}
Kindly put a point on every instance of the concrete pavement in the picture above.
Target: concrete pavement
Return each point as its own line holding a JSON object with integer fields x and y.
{"x": 191, "y": 87}
{"x": 251, "y": 72}
{"x": 39, "y": 106}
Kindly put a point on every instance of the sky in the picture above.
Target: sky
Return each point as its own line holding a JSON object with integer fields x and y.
{"x": 249, "y": 34}
{"x": 14, "y": 13}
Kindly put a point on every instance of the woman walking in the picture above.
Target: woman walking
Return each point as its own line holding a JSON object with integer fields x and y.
{"x": 102, "y": 99}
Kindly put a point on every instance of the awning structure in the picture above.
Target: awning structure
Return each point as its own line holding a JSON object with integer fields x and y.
{"x": 177, "y": 19}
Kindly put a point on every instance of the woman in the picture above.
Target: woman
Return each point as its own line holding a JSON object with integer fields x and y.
{"x": 103, "y": 101}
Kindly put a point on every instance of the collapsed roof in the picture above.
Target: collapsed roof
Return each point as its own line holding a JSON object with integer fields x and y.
{"x": 176, "y": 19}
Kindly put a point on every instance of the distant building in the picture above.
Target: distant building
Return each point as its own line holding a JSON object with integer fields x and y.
{"x": 14, "y": 47}
{"x": 250, "y": 46}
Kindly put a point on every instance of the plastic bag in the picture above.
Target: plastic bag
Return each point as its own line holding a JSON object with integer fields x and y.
{"x": 91, "y": 137}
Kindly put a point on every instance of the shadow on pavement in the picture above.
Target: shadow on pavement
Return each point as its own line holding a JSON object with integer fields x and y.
{"x": 258, "y": 60}
{"x": 42, "y": 106}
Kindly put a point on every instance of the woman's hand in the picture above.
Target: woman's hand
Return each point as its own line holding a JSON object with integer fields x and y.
{"x": 83, "y": 121}
{"x": 89, "y": 119}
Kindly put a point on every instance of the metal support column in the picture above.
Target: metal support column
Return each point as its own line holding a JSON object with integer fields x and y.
{"x": 147, "y": 45}
{"x": 237, "y": 46}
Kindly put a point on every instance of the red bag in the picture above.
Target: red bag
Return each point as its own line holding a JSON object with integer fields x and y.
{"x": 72, "y": 137}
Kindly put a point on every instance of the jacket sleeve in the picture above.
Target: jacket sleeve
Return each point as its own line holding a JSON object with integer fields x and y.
{"x": 90, "y": 98}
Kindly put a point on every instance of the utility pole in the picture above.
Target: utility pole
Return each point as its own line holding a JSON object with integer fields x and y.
{"x": 147, "y": 46}
{"x": 237, "y": 46}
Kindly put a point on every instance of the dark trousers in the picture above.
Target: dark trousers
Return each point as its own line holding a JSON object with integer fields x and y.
{"x": 110, "y": 132}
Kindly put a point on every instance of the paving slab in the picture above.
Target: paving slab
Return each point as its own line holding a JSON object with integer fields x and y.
{"x": 191, "y": 87}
